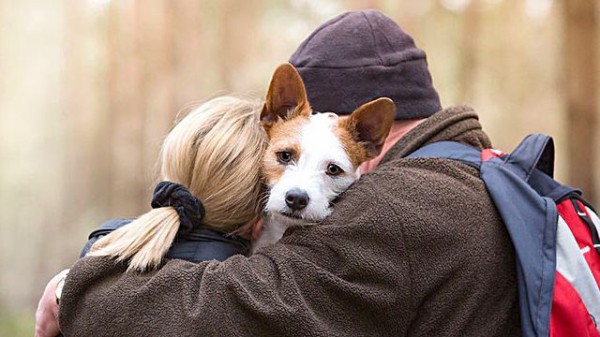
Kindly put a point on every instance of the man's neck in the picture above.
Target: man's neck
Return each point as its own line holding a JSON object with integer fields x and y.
{"x": 398, "y": 130}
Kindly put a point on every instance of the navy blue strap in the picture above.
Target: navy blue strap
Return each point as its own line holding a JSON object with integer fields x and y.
{"x": 530, "y": 220}
{"x": 450, "y": 150}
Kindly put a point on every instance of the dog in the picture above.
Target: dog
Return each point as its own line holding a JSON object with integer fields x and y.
{"x": 312, "y": 157}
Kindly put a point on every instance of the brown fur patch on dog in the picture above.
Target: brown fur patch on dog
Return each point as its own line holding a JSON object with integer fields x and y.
{"x": 347, "y": 135}
{"x": 284, "y": 135}
{"x": 368, "y": 127}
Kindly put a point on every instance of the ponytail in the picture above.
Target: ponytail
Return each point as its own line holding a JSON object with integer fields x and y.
{"x": 146, "y": 240}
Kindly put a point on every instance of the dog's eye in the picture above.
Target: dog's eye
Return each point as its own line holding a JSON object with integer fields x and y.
{"x": 285, "y": 156}
{"x": 334, "y": 170}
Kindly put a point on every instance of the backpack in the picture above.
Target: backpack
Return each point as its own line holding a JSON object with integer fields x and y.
{"x": 553, "y": 229}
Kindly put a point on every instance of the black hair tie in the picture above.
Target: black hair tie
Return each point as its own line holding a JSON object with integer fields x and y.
{"x": 188, "y": 207}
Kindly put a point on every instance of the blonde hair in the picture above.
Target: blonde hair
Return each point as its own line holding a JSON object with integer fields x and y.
{"x": 215, "y": 152}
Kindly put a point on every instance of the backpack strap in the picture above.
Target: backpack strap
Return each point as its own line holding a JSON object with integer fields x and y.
{"x": 450, "y": 150}
{"x": 533, "y": 161}
{"x": 536, "y": 151}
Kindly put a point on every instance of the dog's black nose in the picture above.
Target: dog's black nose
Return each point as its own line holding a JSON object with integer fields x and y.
{"x": 296, "y": 199}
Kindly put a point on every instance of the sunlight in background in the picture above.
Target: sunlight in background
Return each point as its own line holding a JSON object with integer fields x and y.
{"x": 533, "y": 8}
{"x": 325, "y": 9}
{"x": 456, "y": 5}
{"x": 99, "y": 4}
{"x": 420, "y": 8}
{"x": 538, "y": 9}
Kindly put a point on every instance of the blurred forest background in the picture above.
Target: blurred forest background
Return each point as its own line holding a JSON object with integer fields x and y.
{"x": 88, "y": 89}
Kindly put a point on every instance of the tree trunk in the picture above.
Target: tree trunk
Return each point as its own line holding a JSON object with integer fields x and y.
{"x": 128, "y": 183}
{"x": 581, "y": 92}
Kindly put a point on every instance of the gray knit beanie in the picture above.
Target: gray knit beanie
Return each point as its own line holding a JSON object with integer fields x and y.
{"x": 359, "y": 56}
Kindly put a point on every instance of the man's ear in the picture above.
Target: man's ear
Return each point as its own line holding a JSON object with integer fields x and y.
{"x": 286, "y": 97}
{"x": 370, "y": 124}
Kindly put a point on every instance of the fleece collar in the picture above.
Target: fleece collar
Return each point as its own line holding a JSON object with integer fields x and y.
{"x": 214, "y": 245}
{"x": 459, "y": 123}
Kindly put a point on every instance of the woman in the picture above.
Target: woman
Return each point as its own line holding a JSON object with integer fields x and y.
{"x": 209, "y": 197}
{"x": 211, "y": 186}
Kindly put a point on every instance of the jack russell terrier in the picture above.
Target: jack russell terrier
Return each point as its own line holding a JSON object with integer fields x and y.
{"x": 312, "y": 157}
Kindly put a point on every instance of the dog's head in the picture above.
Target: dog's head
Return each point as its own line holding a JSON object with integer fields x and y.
{"x": 312, "y": 158}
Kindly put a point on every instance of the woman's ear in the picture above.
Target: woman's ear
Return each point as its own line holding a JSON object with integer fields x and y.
{"x": 257, "y": 229}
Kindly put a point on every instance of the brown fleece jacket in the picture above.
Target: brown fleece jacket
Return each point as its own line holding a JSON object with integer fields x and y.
{"x": 415, "y": 248}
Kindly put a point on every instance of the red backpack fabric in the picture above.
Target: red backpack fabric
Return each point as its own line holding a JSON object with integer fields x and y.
{"x": 578, "y": 268}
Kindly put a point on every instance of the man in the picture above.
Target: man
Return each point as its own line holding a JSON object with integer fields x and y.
{"x": 414, "y": 248}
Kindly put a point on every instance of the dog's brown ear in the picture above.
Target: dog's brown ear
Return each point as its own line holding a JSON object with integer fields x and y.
{"x": 286, "y": 97}
{"x": 370, "y": 124}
